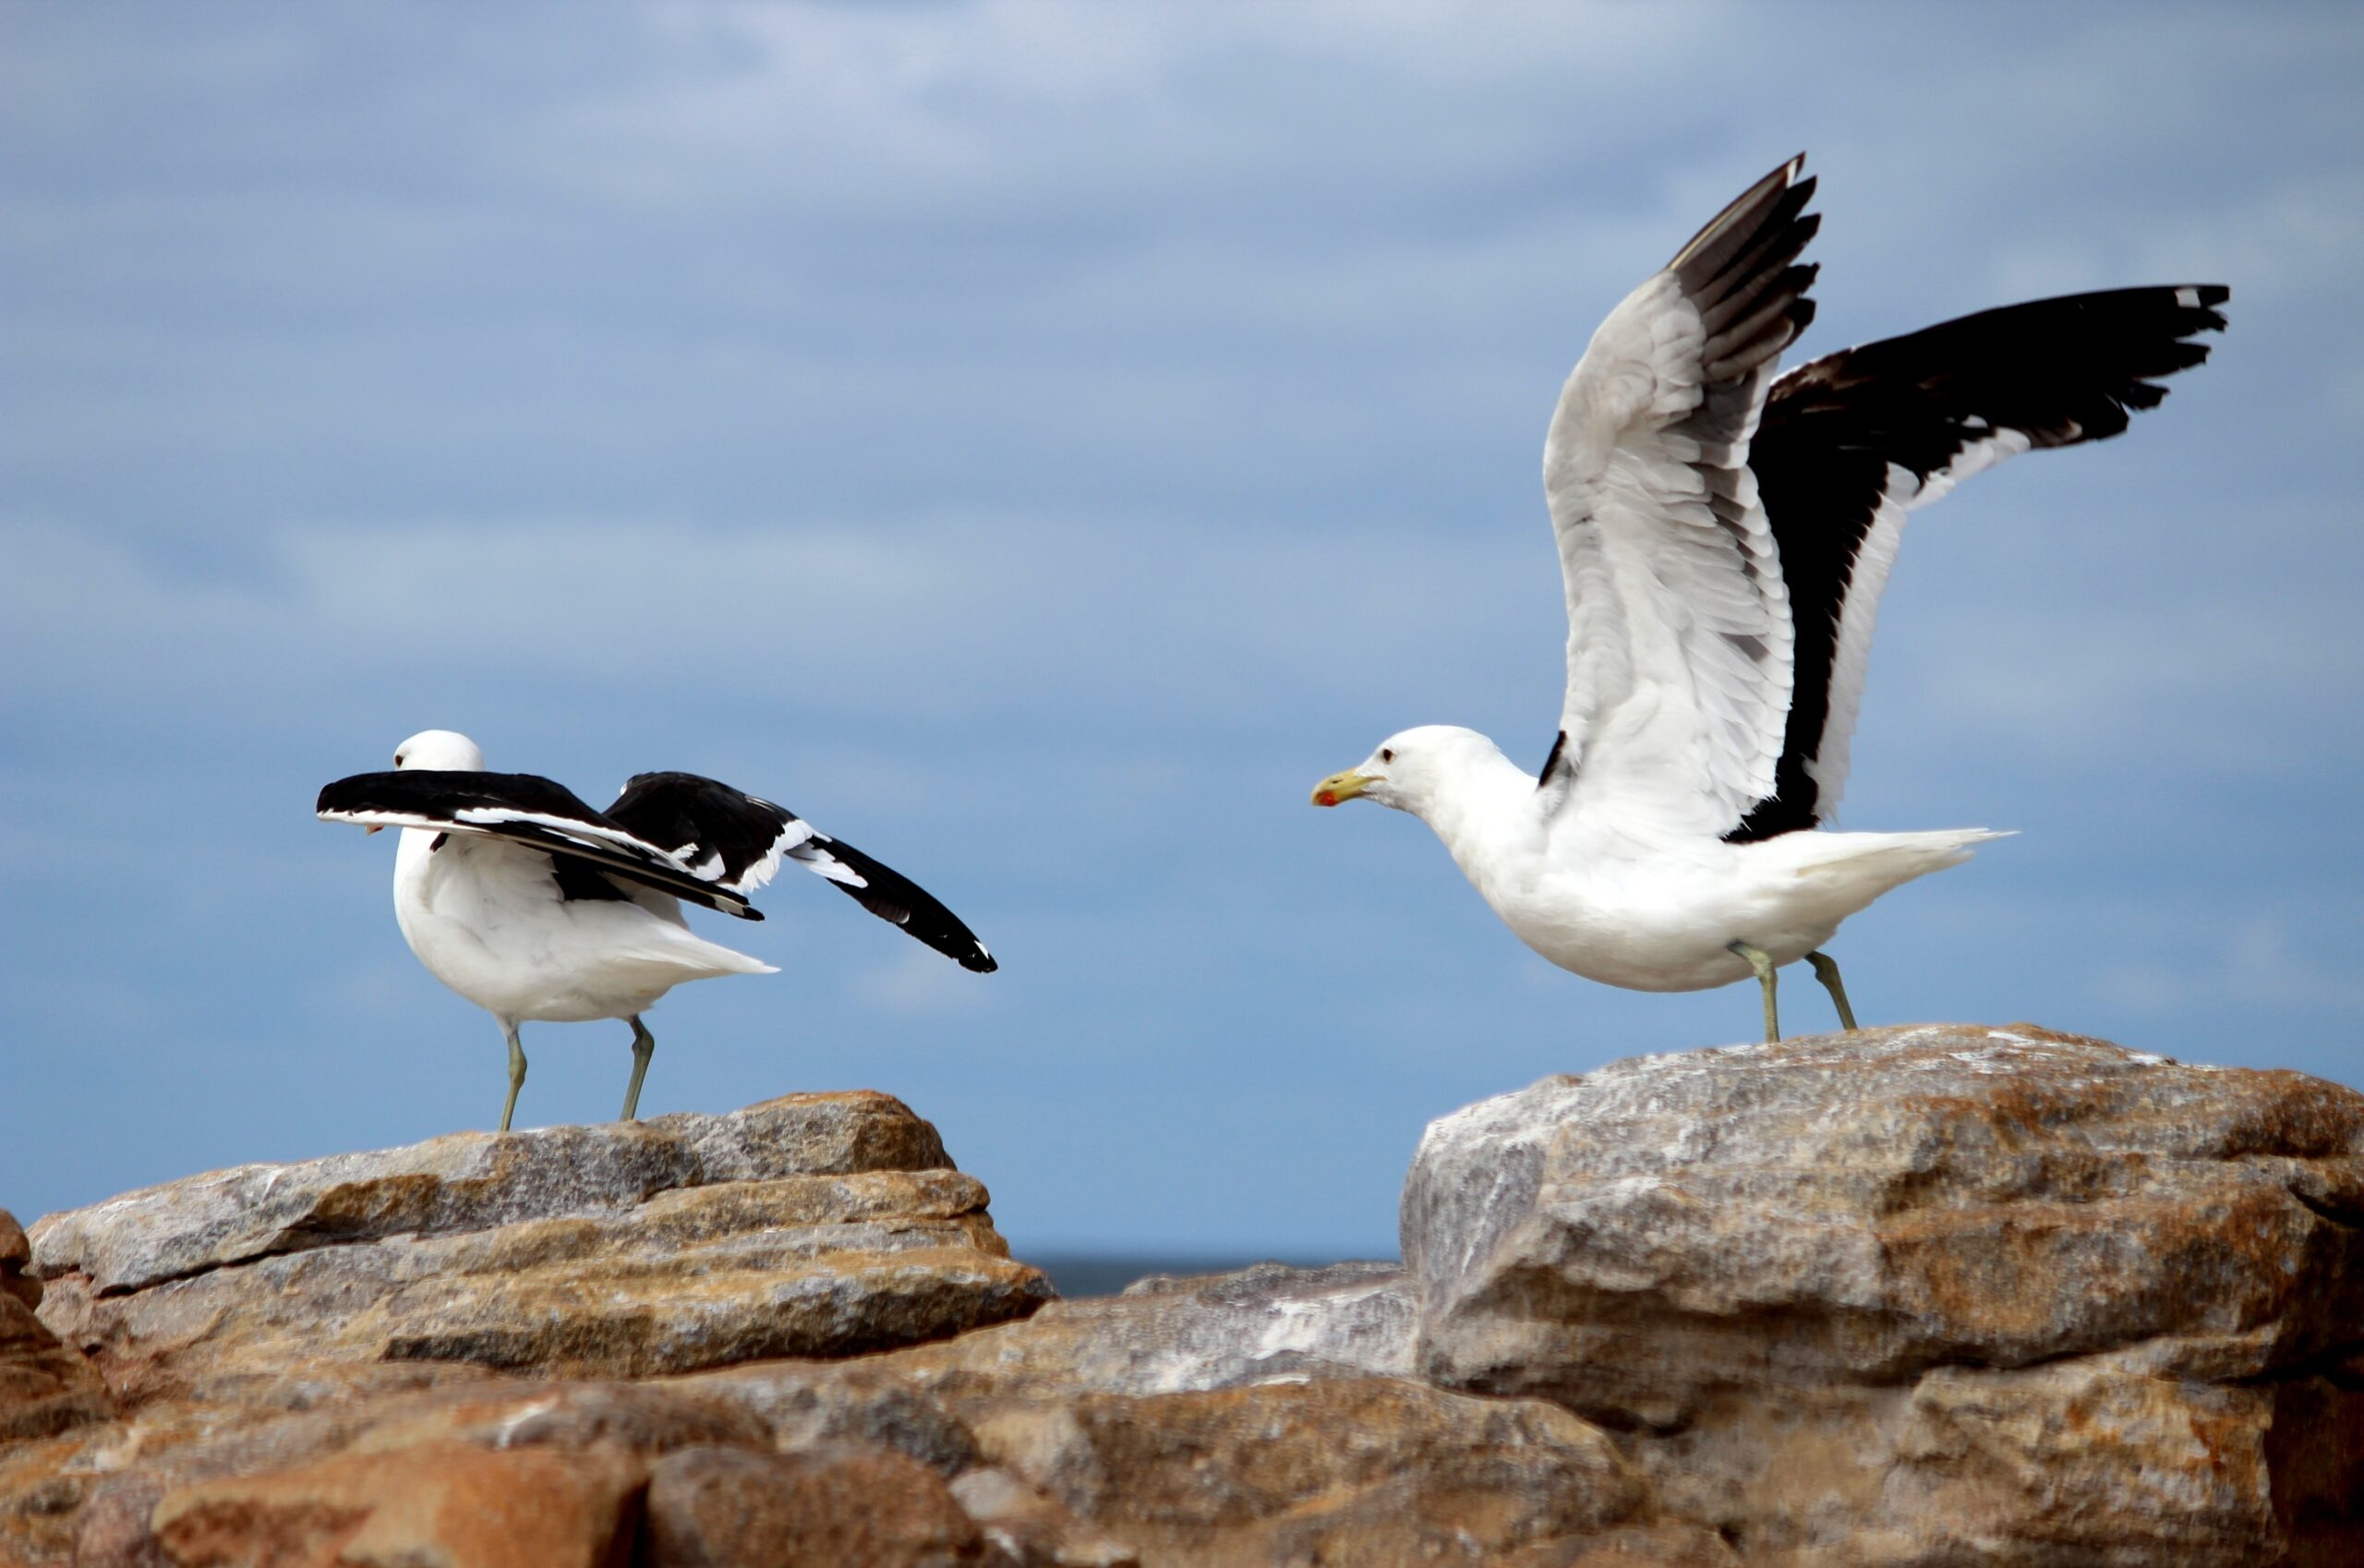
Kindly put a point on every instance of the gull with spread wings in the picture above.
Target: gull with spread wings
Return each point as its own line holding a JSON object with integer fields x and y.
{"x": 534, "y": 905}
{"x": 1724, "y": 537}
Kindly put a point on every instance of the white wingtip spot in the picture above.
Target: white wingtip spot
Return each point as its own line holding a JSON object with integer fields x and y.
{"x": 2188, "y": 298}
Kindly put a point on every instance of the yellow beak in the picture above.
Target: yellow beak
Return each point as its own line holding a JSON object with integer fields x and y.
{"x": 371, "y": 828}
{"x": 1341, "y": 787}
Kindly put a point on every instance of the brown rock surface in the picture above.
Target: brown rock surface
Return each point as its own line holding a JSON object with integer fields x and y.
{"x": 1364, "y": 1470}
{"x": 16, "y": 1253}
{"x": 818, "y": 1225}
{"x": 1239, "y": 1420}
{"x": 44, "y": 1387}
{"x": 102, "y": 1496}
{"x": 846, "y": 1508}
{"x": 1927, "y": 1296}
{"x": 451, "y": 1504}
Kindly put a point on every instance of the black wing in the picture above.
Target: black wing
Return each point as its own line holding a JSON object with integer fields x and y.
{"x": 740, "y": 840}
{"x": 722, "y": 833}
{"x": 1848, "y": 444}
{"x": 524, "y": 809}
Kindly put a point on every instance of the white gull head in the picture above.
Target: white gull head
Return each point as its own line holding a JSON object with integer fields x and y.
{"x": 442, "y": 751}
{"x": 1415, "y": 770}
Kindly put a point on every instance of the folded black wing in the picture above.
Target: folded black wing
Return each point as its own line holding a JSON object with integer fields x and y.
{"x": 739, "y": 841}
{"x": 523, "y": 809}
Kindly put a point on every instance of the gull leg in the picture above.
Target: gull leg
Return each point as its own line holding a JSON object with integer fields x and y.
{"x": 1763, "y": 964}
{"x": 643, "y": 1045}
{"x": 1826, "y": 970}
{"x": 516, "y": 1072}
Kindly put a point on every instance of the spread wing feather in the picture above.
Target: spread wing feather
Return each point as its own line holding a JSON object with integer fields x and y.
{"x": 1852, "y": 442}
{"x": 739, "y": 841}
{"x": 1679, "y": 629}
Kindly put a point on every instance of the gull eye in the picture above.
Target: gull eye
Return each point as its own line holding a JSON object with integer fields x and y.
{"x": 1387, "y": 753}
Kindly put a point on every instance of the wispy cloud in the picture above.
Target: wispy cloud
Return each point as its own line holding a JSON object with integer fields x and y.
{"x": 1037, "y": 439}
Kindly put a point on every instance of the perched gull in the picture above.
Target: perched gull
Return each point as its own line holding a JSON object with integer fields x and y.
{"x": 532, "y": 904}
{"x": 1724, "y": 537}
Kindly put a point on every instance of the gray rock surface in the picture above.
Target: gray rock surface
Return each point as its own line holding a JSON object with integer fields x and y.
{"x": 1267, "y": 1323}
{"x": 471, "y": 1182}
{"x": 1924, "y": 1295}
{"x": 809, "y": 1225}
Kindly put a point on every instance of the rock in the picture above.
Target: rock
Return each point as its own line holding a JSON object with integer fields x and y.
{"x": 472, "y": 1182}
{"x": 168, "y": 1452}
{"x": 867, "y": 1401}
{"x": 1192, "y": 1335}
{"x": 849, "y": 1508}
{"x": 818, "y": 1225}
{"x": 44, "y": 1387}
{"x": 443, "y": 1504}
{"x": 260, "y": 1322}
{"x": 1372, "y": 1471}
{"x": 15, "y": 1253}
{"x": 1928, "y": 1297}
{"x": 1231, "y": 1419}
{"x": 1266, "y": 1323}
{"x": 1925, "y": 1296}
{"x": 1032, "y": 1530}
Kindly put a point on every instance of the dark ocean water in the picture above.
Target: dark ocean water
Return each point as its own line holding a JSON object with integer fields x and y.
{"x": 1105, "y": 1273}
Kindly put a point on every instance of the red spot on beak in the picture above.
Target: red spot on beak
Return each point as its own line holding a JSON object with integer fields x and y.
{"x": 1326, "y": 798}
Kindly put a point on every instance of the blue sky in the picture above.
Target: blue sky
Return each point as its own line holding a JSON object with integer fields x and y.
{"x": 1036, "y": 441}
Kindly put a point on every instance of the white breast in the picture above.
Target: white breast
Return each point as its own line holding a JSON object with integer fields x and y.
{"x": 486, "y": 920}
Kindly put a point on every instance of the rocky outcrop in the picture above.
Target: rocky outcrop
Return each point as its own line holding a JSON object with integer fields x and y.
{"x": 1244, "y": 1420}
{"x": 412, "y": 1355}
{"x": 818, "y": 1225}
{"x": 1930, "y": 1298}
{"x": 1927, "y": 1296}
{"x": 977, "y": 1450}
